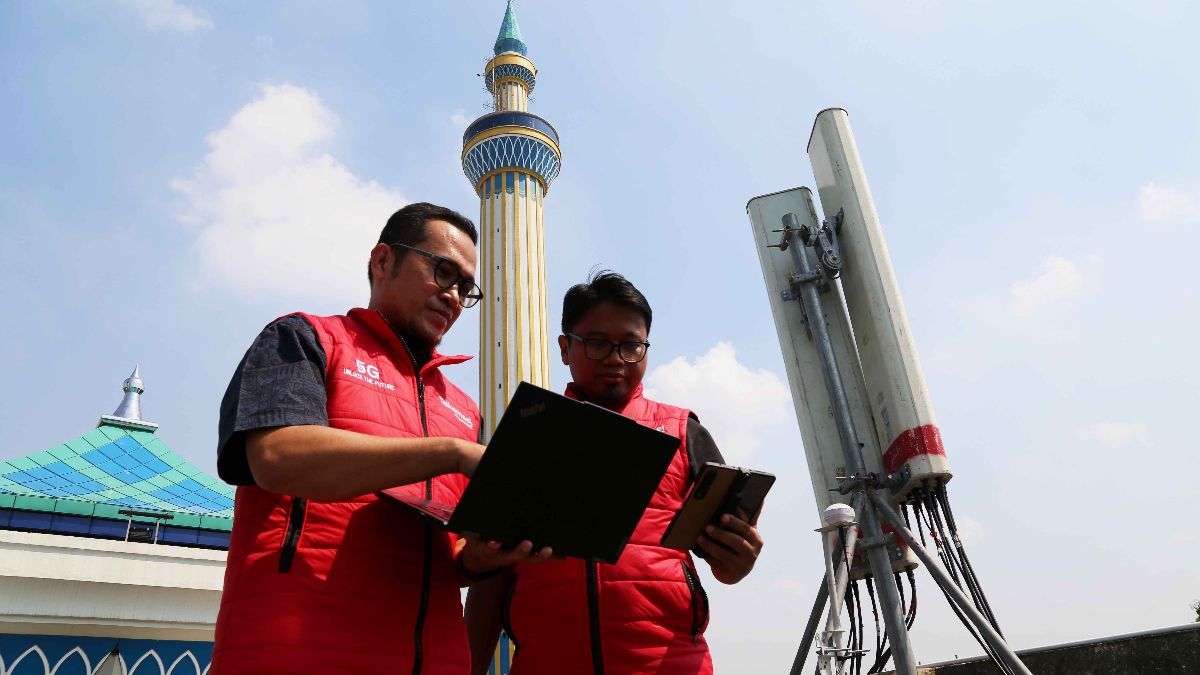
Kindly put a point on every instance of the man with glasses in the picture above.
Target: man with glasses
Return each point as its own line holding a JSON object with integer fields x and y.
{"x": 648, "y": 612}
{"x": 324, "y": 411}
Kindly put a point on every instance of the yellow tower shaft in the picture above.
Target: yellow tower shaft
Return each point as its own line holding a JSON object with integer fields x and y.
{"x": 514, "y": 333}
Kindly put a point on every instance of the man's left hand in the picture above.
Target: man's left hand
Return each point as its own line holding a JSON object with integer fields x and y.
{"x": 480, "y": 557}
{"x": 731, "y": 548}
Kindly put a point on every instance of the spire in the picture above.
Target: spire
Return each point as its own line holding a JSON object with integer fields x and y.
{"x": 129, "y": 412}
{"x": 509, "y": 39}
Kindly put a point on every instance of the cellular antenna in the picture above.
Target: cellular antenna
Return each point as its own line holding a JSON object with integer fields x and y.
{"x": 865, "y": 414}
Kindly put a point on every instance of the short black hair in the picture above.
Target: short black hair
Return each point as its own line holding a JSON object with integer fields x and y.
{"x": 407, "y": 226}
{"x": 602, "y": 286}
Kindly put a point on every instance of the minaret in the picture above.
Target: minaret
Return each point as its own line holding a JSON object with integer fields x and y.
{"x": 511, "y": 157}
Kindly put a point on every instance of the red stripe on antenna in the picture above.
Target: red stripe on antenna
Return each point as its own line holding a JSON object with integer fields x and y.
{"x": 922, "y": 440}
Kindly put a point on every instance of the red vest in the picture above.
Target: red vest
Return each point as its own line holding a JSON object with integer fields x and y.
{"x": 356, "y": 586}
{"x": 645, "y": 614}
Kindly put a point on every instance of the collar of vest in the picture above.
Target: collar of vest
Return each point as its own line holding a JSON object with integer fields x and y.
{"x": 374, "y": 322}
{"x": 636, "y": 397}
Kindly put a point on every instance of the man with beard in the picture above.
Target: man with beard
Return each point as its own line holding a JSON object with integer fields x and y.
{"x": 324, "y": 411}
{"x": 646, "y": 613}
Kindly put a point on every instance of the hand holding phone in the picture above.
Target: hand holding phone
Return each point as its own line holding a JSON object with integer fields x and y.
{"x": 719, "y": 490}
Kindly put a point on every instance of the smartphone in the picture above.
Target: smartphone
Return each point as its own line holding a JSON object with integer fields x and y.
{"x": 719, "y": 489}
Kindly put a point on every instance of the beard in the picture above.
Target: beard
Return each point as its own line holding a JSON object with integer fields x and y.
{"x": 420, "y": 341}
{"x": 611, "y": 396}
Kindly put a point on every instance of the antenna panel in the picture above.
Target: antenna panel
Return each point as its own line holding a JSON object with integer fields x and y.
{"x": 898, "y": 397}
{"x": 818, "y": 430}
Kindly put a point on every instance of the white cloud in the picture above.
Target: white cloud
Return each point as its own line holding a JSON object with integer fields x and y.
{"x": 970, "y": 531}
{"x": 1170, "y": 204}
{"x": 1060, "y": 279}
{"x": 742, "y": 408}
{"x": 274, "y": 213}
{"x": 1117, "y": 434}
{"x": 169, "y": 15}
{"x": 459, "y": 119}
{"x": 788, "y": 586}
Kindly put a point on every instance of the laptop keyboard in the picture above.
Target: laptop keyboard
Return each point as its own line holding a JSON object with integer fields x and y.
{"x": 437, "y": 509}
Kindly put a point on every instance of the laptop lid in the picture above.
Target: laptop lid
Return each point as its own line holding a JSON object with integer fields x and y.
{"x": 566, "y": 474}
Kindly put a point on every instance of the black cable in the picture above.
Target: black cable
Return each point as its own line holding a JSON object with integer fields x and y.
{"x": 912, "y": 608}
{"x": 885, "y": 652}
{"x": 972, "y": 583}
{"x": 920, "y": 526}
{"x": 922, "y": 517}
{"x": 932, "y": 512}
{"x": 937, "y": 503}
{"x": 939, "y": 537}
{"x": 968, "y": 569}
{"x": 880, "y": 636}
{"x": 858, "y": 645}
{"x": 849, "y": 602}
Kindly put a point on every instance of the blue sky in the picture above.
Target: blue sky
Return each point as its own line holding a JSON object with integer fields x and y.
{"x": 174, "y": 175}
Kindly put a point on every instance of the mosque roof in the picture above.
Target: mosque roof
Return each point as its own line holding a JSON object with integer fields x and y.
{"x": 509, "y": 39}
{"x": 119, "y": 465}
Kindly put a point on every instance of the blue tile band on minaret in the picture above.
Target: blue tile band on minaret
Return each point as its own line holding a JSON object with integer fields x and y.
{"x": 511, "y": 156}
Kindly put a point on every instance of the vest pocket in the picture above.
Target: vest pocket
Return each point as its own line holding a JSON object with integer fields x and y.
{"x": 291, "y": 537}
{"x": 699, "y": 600}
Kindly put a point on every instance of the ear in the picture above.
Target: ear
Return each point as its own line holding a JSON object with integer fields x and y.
{"x": 564, "y": 346}
{"x": 381, "y": 260}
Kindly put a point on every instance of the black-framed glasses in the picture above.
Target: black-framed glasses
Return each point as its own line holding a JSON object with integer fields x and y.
{"x": 598, "y": 349}
{"x": 447, "y": 275}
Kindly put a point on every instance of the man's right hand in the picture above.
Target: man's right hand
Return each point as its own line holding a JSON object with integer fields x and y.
{"x": 468, "y": 457}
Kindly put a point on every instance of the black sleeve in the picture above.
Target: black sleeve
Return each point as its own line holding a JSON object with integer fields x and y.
{"x": 280, "y": 382}
{"x": 701, "y": 447}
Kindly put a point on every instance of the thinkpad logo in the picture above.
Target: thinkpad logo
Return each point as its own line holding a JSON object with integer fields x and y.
{"x": 533, "y": 409}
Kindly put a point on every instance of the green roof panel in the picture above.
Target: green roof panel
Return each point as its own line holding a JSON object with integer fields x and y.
{"x": 109, "y": 469}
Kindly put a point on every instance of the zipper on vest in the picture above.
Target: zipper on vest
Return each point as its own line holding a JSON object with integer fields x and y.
{"x": 291, "y": 537}
{"x": 699, "y": 601}
{"x": 427, "y": 564}
{"x": 593, "y": 596}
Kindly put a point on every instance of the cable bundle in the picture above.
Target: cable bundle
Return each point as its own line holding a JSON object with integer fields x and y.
{"x": 931, "y": 508}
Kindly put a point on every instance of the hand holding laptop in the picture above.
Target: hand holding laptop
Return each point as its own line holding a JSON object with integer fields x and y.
{"x": 540, "y": 481}
{"x": 480, "y": 558}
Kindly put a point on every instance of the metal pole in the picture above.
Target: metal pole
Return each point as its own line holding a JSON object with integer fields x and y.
{"x": 828, "y": 662}
{"x": 989, "y": 634}
{"x": 841, "y": 576}
{"x": 881, "y": 567}
{"x": 810, "y": 630}
{"x": 889, "y": 596}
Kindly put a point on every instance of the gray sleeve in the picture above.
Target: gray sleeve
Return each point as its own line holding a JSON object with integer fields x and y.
{"x": 280, "y": 382}
{"x": 701, "y": 447}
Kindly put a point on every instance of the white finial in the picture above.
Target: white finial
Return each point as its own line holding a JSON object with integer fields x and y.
{"x": 131, "y": 405}
{"x": 128, "y": 415}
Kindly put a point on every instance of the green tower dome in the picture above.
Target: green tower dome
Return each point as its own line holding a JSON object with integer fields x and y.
{"x": 509, "y": 39}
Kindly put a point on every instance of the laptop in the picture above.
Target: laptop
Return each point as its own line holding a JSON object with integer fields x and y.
{"x": 560, "y": 473}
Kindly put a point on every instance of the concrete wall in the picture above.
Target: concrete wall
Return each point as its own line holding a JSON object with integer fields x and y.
{"x": 1165, "y": 651}
{"x": 52, "y": 584}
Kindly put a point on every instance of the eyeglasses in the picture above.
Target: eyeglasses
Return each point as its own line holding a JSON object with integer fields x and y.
{"x": 447, "y": 275}
{"x": 598, "y": 349}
